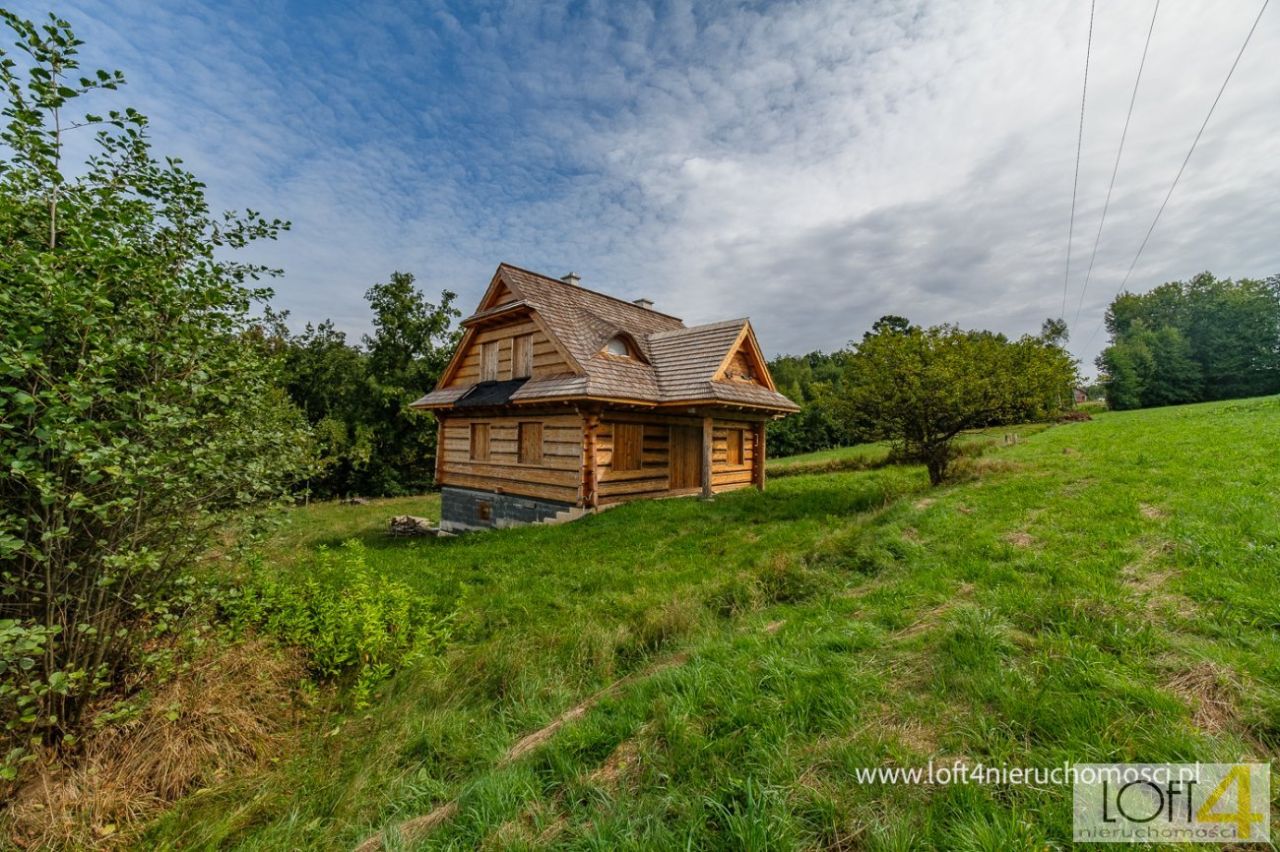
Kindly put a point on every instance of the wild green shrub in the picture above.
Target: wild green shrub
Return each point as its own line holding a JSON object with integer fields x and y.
{"x": 352, "y": 624}
{"x": 23, "y": 684}
{"x": 138, "y": 405}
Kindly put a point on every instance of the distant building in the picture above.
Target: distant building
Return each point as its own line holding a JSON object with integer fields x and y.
{"x": 560, "y": 400}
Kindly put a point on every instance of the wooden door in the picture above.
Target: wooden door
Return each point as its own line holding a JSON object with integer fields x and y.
{"x": 686, "y": 457}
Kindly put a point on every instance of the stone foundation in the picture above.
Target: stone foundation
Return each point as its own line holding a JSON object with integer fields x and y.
{"x": 462, "y": 509}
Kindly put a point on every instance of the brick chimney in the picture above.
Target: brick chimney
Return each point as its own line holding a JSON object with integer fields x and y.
{"x": 572, "y": 278}
{"x": 647, "y": 304}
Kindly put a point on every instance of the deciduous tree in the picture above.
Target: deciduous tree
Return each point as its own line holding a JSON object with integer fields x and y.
{"x": 921, "y": 387}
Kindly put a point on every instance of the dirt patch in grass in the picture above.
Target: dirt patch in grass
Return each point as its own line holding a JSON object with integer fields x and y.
{"x": 925, "y": 502}
{"x": 230, "y": 713}
{"x": 1152, "y": 513}
{"x": 1150, "y": 584}
{"x": 914, "y": 735}
{"x": 524, "y": 832}
{"x": 886, "y": 723}
{"x": 1020, "y": 539}
{"x": 616, "y": 765}
{"x": 774, "y": 626}
{"x": 1212, "y": 691}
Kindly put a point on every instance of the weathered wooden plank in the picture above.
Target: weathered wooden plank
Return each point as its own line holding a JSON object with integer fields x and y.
{"x": 731, "y": 477}
{"x": 590, "y": 473}
{"x": 610, "y": 475}
{"x": 517, "y": 473}
{"x": 637, "y": 486}
{"x": 707, "y": 429}
{"x": 523, "y": 489}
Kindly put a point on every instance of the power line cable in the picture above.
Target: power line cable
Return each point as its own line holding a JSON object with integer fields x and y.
{"x": 1187, "y": 159}
{"x": 1116, "y": 168}
{"x": 1075, "y": 184}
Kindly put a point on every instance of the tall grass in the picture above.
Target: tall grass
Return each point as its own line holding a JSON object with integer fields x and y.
{"x": 1101, "y": 591}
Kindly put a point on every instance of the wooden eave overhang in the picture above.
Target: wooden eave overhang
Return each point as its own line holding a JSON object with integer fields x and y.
{"x": 501, "y": 313}
{"x": 647, "y": 404}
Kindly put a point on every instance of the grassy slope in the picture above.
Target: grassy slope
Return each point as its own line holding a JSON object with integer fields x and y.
{"x": 1102, "y": 591}
{"x": 869, "y": 456}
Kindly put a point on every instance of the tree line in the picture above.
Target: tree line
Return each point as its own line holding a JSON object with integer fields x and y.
{"x": 1193, "y": 341}
{"x": 365, "y": 438}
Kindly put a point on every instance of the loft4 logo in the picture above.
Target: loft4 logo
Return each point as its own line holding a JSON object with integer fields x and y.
{"x": 1172, "y": 803}
{"x": 1245, "y": 813}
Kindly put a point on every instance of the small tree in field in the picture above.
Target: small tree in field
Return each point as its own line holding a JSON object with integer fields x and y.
{"x": 137, "y": 411}
{"x": 921, "y": 388}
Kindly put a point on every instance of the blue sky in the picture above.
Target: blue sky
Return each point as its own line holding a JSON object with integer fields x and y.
{"x": 811, "y": 164}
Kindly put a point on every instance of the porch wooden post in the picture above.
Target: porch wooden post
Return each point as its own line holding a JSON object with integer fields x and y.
{"x": 708, "y": 440}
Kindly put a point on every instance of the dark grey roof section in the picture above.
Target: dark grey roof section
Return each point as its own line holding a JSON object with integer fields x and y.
{"x": 490, "y": 393}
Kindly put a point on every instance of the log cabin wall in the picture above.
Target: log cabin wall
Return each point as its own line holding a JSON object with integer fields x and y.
{"x": 547, "y": 360}
{"x": 557, "y": 476}
{"x": 650, "y": 479}
{"x": 732, "y": 455}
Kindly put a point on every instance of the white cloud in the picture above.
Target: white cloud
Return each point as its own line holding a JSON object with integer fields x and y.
{"x": 813, "y": 165}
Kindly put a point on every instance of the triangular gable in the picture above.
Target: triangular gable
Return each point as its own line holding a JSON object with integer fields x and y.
{"x": 500, "y": 292}
{"x": 745, "y": 357}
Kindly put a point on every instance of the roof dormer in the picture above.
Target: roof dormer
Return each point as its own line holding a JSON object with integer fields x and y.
{"x": 623, "y": 347}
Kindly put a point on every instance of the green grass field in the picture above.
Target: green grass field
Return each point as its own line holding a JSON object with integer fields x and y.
{"x": 1101, "y": 591}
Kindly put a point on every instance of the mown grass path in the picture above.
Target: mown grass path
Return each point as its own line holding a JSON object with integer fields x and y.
{"x": 1104, "y": 591}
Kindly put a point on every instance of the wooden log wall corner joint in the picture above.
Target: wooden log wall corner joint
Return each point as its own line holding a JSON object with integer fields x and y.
{"x": 758, "y": 457}
{"x": 590, "y": 475}
{"x": 708, "y": 443}
{"x": 439, "y": 449}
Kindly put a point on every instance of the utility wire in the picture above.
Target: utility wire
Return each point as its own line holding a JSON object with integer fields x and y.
{"x": 1075, "y": 184}
{"x": 1194, "y": 143}
{"x": 1116, "y": 168}
{"x": 1187, "y": 159}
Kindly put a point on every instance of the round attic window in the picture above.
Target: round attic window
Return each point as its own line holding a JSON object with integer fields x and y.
{"x": 618, "y": 346}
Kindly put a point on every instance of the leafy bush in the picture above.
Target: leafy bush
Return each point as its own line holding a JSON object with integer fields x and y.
{"x": 138, "y": 409}
{"x": 23, "y": 683}
{"x": 350, "y": 622}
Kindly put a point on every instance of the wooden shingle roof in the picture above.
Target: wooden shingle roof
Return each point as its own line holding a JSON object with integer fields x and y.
{"x": 676, "y": 364}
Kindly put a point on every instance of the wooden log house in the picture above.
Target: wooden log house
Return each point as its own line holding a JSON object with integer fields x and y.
{"x": 560, "y": 400}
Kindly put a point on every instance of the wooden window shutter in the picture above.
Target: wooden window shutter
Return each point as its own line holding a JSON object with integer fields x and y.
{"x": 530, "y": 443}
{"x": 734, "y": 447}
{"x": 489, "y": 362}
{"x": 628, "y": 446}
{"x": 522, "y": 357}
{"x": 479, "y": 441}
